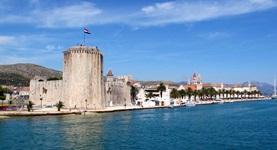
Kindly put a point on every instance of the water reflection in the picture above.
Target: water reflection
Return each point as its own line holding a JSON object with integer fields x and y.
{"x": 183, "y": 128}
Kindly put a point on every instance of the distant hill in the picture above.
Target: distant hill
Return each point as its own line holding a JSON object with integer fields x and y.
{"x": 16, "y": 74}
{"x": 264, "y": 88}
{"x": 21, "y": 74}
{"x": 147, "y": 83}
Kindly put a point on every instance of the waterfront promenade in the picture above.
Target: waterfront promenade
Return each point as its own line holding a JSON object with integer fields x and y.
{"x": 53, "y": 111}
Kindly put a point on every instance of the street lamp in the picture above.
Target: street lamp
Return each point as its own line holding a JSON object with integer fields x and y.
{"x": 125, "y": 102}
{"x": 86, "y": 103}
{"x": 40, "y": 101}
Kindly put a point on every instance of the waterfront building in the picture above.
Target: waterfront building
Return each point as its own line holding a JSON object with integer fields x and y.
{"x": 197, "y": 84}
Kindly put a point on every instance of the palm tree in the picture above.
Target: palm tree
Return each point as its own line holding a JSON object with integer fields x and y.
{"x": 201, "y": 94}
{"x": 223, "y": 92}
{"x": 245, "y": 92}
{"x": 238, "y": 93}
{"x": 252, "y": 94}
{"x": 256, "y": 93}
{"x": 227, "y": 93}
{"x": 189, "y": 92}
{"x": 59, "y": 105}
{"x": 219, "y": 93}
{"x": 174, "y": 93}
{"x": 232, "y": 92}
{"x": 248, "y": 93}
{"x": 241, "y": 94}
{"x": 182, "y": 93}
{"x": 205, "y": 93}
{"x": 134, "y": 92}
{"x": 30, "y": 105}
{"x": 212, "y": 92}
{"x": 259, "y": 93}
{"x": 161, "y": 88}
{"x": 195, "y": 93}
{"x": 149, "y": 95}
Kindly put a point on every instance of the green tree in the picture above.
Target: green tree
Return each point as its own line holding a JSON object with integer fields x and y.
{"x": 189, "y": 92}
{"x": 238, "y": 93}
{"x": 205, "y": 93}
{"x": 219, "y": 93}
{"x": 59, "y": 105}
{"x": 256, "y": 93}
{"x": 227, "y": 93}
{"x": 259, "y": 93}
{"x": 248, "y": 93}
{"x": 2, "y": 96}
{"x": 223, "y": 93}
{"x": 174, "y": 93}
{"x": 245, "y": 93}
{"x": 161, "y": 88}
{"x": 134, "y": 92}
{"x": 149, "y": 95}
{"x": 30, "y": 105}
{"x": 241, "y": 94}
{"x": 201, "y": 94}
{"x": 212, "y": 92}
{"x": 182, "y": 93}
{"x": 232, "y": 92}
{"x": 195, "y": 93}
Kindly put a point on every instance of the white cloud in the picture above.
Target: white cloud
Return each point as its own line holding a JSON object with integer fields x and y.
{"x": 182, "y": 12}
{"x": 4, "y": 40}
{"x": 214, "y": 35}
{"x": 52, "y": 47}
{"x": 148, "y": 9}
{"x": 86, "y": 13}
{"x": 68, "y": 16}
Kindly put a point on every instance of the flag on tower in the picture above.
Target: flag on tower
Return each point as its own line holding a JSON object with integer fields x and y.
{"x": 86, "y": 31}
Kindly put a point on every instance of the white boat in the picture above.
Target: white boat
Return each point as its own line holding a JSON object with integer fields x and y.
{"x": 190, "y": 103}
{"x": 218, "y": 101}
{"x": 174, "y": 104}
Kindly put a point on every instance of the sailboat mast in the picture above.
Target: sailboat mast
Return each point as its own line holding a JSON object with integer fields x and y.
{"x": 274, "y": 85}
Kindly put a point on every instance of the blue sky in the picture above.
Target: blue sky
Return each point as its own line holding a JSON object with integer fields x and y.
{"x": 230, "y": 41}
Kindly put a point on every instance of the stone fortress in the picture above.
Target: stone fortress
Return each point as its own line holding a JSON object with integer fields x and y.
{"x": 83, "y": 85}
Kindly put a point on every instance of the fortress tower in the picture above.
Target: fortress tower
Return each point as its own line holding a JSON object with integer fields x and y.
{"x": 83, "y": 82}
{"x": 83, "y": 85}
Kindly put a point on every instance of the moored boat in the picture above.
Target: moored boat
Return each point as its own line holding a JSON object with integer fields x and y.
{"x": 174, "y": 104}
{"x": 218, "y": 101}
{"x": 190, "y": 103}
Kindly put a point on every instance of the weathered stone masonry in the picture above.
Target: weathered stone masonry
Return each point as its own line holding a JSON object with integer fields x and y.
{"x": 83, "y": 84}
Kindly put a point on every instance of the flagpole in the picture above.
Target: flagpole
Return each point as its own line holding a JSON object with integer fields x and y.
{"x": 84, "y": 38}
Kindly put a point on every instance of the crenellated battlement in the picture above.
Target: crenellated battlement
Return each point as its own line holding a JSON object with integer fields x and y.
{"x": 83, "y": 49}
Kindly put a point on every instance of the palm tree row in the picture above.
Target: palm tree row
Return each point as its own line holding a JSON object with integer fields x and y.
{"x": 211, "y": 93}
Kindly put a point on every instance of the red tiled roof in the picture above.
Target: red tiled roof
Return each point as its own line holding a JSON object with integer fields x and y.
{"x": 207, "y": 85}
{"x": 194, "y": 75}
{"x": 110, "y": 73}
{"x": 193, "y": 87}
{"x": 132, "y": 83}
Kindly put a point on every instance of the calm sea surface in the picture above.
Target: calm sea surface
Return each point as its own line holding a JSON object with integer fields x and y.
{"x": 245, "y": 125}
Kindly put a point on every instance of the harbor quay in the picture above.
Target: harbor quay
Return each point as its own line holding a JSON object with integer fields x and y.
{"x": 65, "y": 111}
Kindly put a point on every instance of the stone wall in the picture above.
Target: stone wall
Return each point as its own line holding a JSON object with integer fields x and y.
{"x": 45, "y": 93}
{"x": 118, "y": 90}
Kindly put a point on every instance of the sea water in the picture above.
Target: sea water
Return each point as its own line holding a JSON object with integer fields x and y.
{"x": 242, "y": 125}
